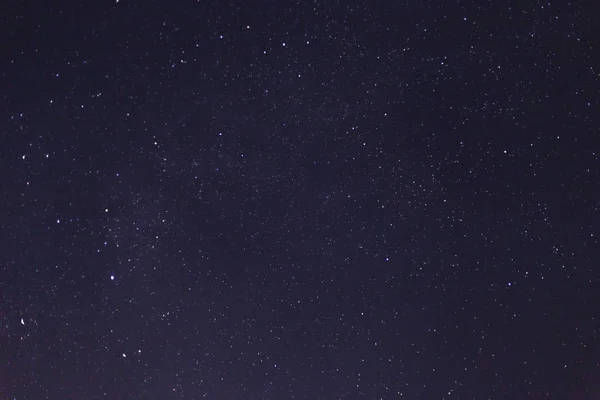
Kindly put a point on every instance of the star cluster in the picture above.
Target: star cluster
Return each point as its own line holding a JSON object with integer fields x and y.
{"x": 299, "y": 200}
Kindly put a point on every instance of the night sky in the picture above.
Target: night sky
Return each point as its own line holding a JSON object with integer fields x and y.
{"x": 299, "y": 200}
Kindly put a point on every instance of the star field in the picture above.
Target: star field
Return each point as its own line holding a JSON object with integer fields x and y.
{"x": 299, "y": 200}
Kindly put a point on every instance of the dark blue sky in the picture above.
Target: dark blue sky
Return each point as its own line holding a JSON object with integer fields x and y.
{"x": 299, "y": 200}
